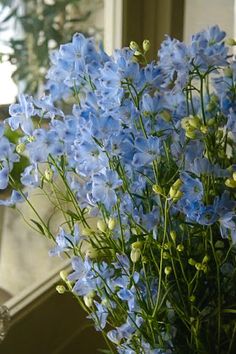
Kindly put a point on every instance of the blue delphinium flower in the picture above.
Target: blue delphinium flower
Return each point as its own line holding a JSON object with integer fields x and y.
{"x": 104, "y": 186}
{"x": 207, "y": 49}
{"x": 21, "y": 115}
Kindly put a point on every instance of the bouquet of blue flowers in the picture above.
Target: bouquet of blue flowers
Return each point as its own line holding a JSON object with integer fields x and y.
{"x": 142, "y": 166}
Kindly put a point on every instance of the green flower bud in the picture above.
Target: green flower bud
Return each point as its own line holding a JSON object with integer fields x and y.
{"x": 190, "y": 133}
{"x": 20, "y": 148}
{"x": 137, "y": 245}
{"x": 111, "y": 223}
{"x": 135, "y": 255}
{"x": 205, "y": 259}
{"x": 146, "y": 45}
{"x": 134, "y": 46}
{"x": 31, "y": 139}
{"x": 88, "y": 299}
{"x": 195, "y": 122}
{"x": 204, "y": 129}
{"x": 180, "y": 247}
{"x": 48, "y": 174}
{"x": 230, "y": 41}
{"x": 191, "y": 262}
{"x": 192, "y": 298}
{"x": 173, "y": 235}
{"x": 157, "y": 189}
{"x": 198, "y": 266}
{"x": 167, "y": 270}
{"x": 166, "y": 255}
{"x": 219, "y": 244}
{"x": 230, "y": 182}
{"x": 101, "y": 225}
{"x": 60, "y": 289}
{"x": 63, "y": 275}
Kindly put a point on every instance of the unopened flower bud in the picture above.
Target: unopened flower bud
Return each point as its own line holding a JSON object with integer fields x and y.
{"x": 146, "y": 45}
{"x": 157, "y": 189}
{"x": 167, "y": 270}
{"x": 190, "y": 133}
{"x": 180, "y": 247}
{"x": 192, "y": 298}
{"x": 31, "y": 139}
{"x": 166, "y": 116}
{"x": 191, "y": 262}
{"x": 20, "y": 148}
{"x": 48, "y": 174}
{"x": 205, "y": 259}
{"x": 88, "y": 299}
{"x": 63, "y": 275}
{"x": 230, "y": 41}
{"x": 135, "y": 254}
{"x": 134, "y": 46}
{"x": 166, "y": 255}
{"x": 198, "y": 266}
{"x": 137, "y": 245}
{"x": 219, "y": 244}
{"x": 86, "y": 231}
{"x": 101, "y": 225}
{"x": 173, "y": 235}
{"x": 230, "y": 182}
{"x": 195, "y": 122}
{"x": 234, "y": 176}
{"x": 111, "y": 224}
{"x": 60, "y": 289}
{"x": 203, "y": 129}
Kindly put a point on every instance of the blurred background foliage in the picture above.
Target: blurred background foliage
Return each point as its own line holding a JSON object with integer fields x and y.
{"x": 40, "y": 26}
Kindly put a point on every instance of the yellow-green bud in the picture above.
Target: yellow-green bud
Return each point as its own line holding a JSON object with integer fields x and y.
{"x": 173, "y": 235}
{"x": 111, "y": 223}
{"x": 203, "y": 129}
{"x": 157, "y": 189}
{"x": 211, "y": 122}
{"x": 190, "y": 133}
{"x": 230, "y": 41}
{"x": 63, "y": 275}
{"x": 88, "y": 299}
{"x": 48, "y": 174}
{"x": 60, "y": 289}
{"x": 20, "y": 148}
{"x": 219, "y": 254}
{"x": 135, "y": 254}
{"x": 166, "y": 246}
{"x": 91, "y": 253}
{"x": 205, "y": 259}
{"x": 192, "y": 298}
{"x": 134, "y": 231}
{"x": 191, "y": 262}
{"x": 86, "y": 231}
{"x": 198, "y": 266}
{"x": 230, "y": 182}
{"x": 234, "y": 176}
{"x": 101, "y": 225}
{"x": 134, "y": 46}
{"x": 219, "y": 244}
{"x": 194, "y": 122}
{"x": 146, "y": 45}
{"x": 180, "y": 247}
{"x": 137, "y": 245}
{"x": 167, "y": 270}
{"x": 204, "y": 268}
{"x": 31, "y": 139}
{"x": 166, "y": 255}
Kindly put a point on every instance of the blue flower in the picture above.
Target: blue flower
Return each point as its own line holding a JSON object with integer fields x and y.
{"x": 148, "y": 150}
{"x": 104, "y": 186}
{"x": 15, "y": 198}
{"x": 191, "y": 188}
{"x": 66, "y": 242}
{"x": 21, "y": 115}
{"x": 4, "y": 177}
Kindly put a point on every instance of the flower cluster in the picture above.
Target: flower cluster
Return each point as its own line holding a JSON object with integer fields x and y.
{"x": 147, "y": 152}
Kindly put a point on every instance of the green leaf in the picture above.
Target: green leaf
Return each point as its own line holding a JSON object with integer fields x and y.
{"x": 37, "y": 224}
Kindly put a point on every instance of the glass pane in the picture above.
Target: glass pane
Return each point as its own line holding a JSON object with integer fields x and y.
{"x": 24, "y": 258}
